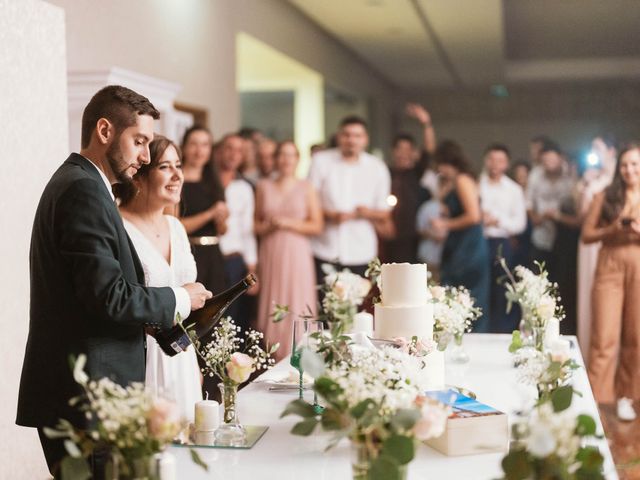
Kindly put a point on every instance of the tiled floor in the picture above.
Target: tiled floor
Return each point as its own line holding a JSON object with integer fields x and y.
{"x": 624, "y": 440}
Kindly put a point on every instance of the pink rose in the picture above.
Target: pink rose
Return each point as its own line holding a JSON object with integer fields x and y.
{"x": 402, "y": 343}
{"x": 438, "y": 292}
{"x": 425, "y": 346}
{"x": 163, "y": 419}
{"x": 433, "y": 420}
{"x": 240, "y": 367}
{"x": 340, "y": 290}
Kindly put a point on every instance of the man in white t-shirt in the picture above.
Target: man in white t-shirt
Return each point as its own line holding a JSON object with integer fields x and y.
{"x": 353, "y": 187}
{"x": 238, "y": 244}
{"x": 504, "y": 216}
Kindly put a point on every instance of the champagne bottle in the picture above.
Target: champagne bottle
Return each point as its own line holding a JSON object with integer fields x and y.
{"x": 201, "y": 321}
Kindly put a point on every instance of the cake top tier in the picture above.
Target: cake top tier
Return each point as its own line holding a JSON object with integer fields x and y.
{"x": 403, "y": 284}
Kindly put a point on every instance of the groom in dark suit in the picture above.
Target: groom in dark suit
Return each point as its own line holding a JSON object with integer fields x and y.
{"x": 87, "y": 284}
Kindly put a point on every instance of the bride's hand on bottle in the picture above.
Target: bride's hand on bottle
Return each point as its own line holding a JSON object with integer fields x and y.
{"x": 197, "y": 294}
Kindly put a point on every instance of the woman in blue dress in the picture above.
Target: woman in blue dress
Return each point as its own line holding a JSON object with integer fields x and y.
{"x": 465, "y": 254}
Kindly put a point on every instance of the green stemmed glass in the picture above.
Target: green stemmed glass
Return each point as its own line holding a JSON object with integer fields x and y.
{"x": 302, "y": 331}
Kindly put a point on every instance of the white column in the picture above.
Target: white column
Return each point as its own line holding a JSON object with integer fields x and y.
{"x": 84, "y": 84}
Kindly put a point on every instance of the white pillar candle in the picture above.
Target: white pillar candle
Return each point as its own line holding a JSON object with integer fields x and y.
{"x": 207, "y": 415}
{"x": 205, "y": 438}
{"x": 363, "y": 322}
{"x": 552, "y": 332}
{"x": 560, "y": 350}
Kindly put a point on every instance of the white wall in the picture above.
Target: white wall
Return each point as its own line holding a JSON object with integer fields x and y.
{"x": 33, "y": 142}
{"x": 192, "y": 42}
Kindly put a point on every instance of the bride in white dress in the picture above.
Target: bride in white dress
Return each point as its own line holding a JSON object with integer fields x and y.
{"x": 163, "y": 247}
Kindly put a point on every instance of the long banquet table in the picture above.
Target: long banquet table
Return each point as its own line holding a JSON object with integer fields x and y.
{"x": 288, "y": 457}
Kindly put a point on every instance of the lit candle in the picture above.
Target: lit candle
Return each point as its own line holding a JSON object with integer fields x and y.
{"x": 560, "y": 350}
{"x": 363, "y": 322}
{"x": 552, "y": 331}
{"x": 207, "y": 415}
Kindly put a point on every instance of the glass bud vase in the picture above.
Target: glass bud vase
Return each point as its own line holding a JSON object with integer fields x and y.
{"x": 230, "y": 432}
{"x": 526, "y": 330}
{"x": 362, "y": 458}
{"x": 458, "y": 353}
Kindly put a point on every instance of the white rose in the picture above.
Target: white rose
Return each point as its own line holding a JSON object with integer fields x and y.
{"x": 465, "y": 299}
{"x": 541, "y": 442}
{"x": 546, "y": 307}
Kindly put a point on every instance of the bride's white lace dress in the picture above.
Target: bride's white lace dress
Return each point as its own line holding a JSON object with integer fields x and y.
{"x": 178, "y": 377}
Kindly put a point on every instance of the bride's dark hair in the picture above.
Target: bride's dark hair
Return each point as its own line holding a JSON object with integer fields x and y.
{"x": 614, "y": 194}
{"x": 125, "y": 192}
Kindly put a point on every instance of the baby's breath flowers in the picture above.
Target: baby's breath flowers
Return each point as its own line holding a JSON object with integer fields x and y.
{"x": 127, "y": 420}
{"x": 538, "y": 299}
{"x": 376, "y": 398}
{"x": 453, "y": 313}
{"x": 233, "y": 355}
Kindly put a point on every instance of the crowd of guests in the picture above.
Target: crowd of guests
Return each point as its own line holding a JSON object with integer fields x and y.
{"x": 146, "y": 230}
{"x": 244, "y": 210}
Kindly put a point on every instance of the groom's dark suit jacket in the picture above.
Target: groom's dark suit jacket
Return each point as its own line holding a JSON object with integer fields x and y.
{"x": 87, "y": 296}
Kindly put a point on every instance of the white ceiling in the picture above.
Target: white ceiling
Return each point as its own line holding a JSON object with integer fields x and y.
{"x": 418, "y": 44}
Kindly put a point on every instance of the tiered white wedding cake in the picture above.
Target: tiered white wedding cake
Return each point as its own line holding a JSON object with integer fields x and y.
{"x": 405, "y": 311}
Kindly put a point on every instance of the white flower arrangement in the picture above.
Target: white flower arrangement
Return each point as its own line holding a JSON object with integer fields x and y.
{"x": 233, "y": 356}
{"x": 453, "y": 312}
{"x": 346, "y": 286}
{"x": 531, "y": 364}
{"x": 388, "y": 376}
{"x": 551, "y": 443}
{"x": 547, "y": 432}
{"x": 376, "y": 398}
{"x": 128, "y": 420}
{"x": 547, "y": 371}
{"x": 536, "y": 295}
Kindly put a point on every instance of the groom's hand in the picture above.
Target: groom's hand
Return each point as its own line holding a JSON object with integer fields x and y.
{"x": 197, "y": 294}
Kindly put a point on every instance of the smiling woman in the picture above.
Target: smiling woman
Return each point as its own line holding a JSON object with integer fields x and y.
{"x": 163, "y": 247}
{"x": 614, "y": 220}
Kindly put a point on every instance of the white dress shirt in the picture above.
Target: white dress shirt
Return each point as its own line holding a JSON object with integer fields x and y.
{"x": 503, "y": 200}
{"x": 545, "y": 194}
{"x": 342, "y": 187}
{"x": 239, "y": 237}
{"x": 183, "y": 302}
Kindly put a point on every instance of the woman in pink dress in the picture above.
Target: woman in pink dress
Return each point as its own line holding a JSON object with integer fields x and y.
{"x": 287, "y": 214}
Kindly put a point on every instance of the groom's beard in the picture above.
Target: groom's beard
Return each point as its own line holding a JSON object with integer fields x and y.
{"x": 117, "y": 163}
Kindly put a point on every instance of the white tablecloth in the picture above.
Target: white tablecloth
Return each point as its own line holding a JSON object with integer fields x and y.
{"x": 280, "y": 455}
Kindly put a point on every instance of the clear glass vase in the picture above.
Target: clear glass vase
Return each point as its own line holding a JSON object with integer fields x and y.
{"x": 138, "y": 468}
{"x": 230, "y": 432}
{"x": 526, "y": 330}
{"x": 458, "y": 353}
{"x": 538, "y": 338}
{"x": 362, "y": 457}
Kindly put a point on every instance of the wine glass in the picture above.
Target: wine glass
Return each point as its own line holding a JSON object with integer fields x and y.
{"x": 302, "y": 330}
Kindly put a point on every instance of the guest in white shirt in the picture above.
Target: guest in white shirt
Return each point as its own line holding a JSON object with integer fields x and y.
{"x": 504, "y": 215}
{"x": 238, "y": 244}
{"x": 544, "y": 194}
{"x": 353, "y": 187}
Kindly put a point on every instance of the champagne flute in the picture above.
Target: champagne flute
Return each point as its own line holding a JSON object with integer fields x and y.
{"x": 302, "y": 330}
